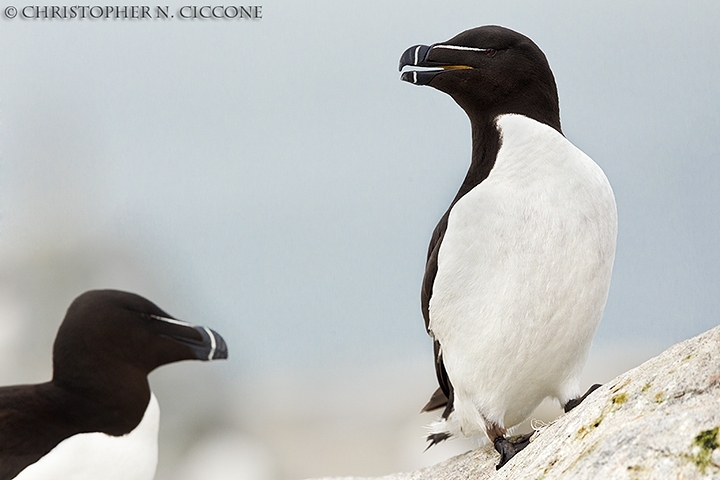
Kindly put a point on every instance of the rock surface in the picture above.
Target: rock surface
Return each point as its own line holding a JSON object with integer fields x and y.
{"x": 657, "y": 421}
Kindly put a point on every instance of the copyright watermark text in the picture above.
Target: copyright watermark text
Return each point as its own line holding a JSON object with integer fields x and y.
{"x": 133, "y": 12}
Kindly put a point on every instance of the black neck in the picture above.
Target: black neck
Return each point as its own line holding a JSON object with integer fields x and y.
{"x": 117, "y": 398}
{"x": 485, "y": 146}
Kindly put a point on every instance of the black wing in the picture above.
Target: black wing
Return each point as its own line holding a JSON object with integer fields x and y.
{"x": 444, "y": 395}
{"x": 24, "y": 428}
{"x": 34, "y": 419}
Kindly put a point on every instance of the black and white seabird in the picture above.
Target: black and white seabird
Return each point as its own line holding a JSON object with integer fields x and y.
{"x": 97, "y": 418}
{"x": 518, "y": 269}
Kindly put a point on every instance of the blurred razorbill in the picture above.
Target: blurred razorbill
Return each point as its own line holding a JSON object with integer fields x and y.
{"x": 97, "y": 418}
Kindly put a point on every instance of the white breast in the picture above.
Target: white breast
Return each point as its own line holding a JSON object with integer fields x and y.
{"x": 523, "y": 275}
{"x": 97, "y": 456}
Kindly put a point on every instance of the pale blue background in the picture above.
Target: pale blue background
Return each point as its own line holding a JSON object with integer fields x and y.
{"x": 274, "y": 179}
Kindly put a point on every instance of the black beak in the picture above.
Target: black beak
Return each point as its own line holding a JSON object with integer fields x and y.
{"x": 416, "y": 56}
{"x": 211, "y": 347}
{"x": 204, "y": 343}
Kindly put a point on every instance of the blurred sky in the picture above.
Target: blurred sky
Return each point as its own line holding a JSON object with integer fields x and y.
{"x": 282, "y": 183}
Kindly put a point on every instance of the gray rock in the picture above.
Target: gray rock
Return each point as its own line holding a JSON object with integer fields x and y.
{"x": 657, "y": 421}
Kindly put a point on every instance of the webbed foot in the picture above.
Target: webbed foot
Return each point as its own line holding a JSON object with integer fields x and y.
{"x": 577, "y": 401}
{"x": 508, "y": 449}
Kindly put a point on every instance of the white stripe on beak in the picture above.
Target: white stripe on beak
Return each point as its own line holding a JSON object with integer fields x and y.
{"x": 213, "y": 343}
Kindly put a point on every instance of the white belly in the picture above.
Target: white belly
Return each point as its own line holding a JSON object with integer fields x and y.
{"x": 97, "y": 456}
{"x": 523, "y": 275}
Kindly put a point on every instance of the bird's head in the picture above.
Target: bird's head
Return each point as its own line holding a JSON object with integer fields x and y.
{"x": 488, "y": 71}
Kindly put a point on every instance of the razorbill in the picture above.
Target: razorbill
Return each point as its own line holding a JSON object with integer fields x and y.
{"x": 518, "y": 269}
{"x": 97, "y": 418}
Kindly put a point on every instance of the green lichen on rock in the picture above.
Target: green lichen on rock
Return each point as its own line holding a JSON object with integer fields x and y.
{"x": 614, "y": 405}
{"x": 635, "y": 472}
{"x": 659, "y": 397}
{"x": 586, "y": 429}
{"x": 707, "y": 441}
{"x": 646, "y": 388}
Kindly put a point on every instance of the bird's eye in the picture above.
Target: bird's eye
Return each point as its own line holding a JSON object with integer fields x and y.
{"x": 489, "y": 52}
